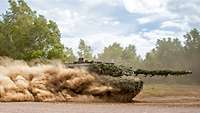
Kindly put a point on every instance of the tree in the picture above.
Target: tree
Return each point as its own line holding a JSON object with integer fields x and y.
{"x": 130, "y": 58}
{"x": 69, "y": 55}
{"x": 167, "y": 54}
{"x": 112, "y": 53}
{"x": 26, "y": 35}
{"x": 150, "y": 61}
{"x": 84, "y": 51}
{"x": 125, "y": 56}
{"x": 192, "y": 44}
{"x": 192, "y": 50}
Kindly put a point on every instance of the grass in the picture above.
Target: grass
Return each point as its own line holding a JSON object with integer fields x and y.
{"x": 169, "y": 94}
{"x": 162, "y": 90}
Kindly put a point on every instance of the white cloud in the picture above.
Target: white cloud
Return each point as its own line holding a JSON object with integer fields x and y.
{"x": 154, "y": 35}
{"x": 148, "y": 19}
{"x": 145, "y": 6}
{"x": 109, "y": 21}
{"x": 159, "y": 16}
{"x": 165, "y": 10}
{"x": 181, "y": 25}
{"x": 66, "y": 19}
{"x": 97, "y": 2}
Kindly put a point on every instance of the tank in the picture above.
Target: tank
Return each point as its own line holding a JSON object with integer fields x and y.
{"x": 124, "y": 81}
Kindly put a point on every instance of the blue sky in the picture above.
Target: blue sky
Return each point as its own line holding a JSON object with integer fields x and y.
{"x": 102, "y": 22}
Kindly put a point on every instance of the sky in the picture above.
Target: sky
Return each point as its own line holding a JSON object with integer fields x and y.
{"x": 103, "y": 22}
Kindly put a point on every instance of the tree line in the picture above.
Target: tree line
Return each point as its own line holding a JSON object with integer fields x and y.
{"x": 24, "y": 34}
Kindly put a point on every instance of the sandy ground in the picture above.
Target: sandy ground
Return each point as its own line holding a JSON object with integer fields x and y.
{"x": 93, "y": 108}
{"x": 169, "y": 94}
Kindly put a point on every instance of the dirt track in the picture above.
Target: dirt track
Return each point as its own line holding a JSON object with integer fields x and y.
{"x": 93, "y": 108}
{"x": 153, "y": 99}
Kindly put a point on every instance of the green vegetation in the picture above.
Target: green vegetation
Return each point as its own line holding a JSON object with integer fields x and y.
{"x": 85, "y": 51}
{"x": 117, "y": 54}
{"x": 112, "y": 53}
{"x": 168, "y": 53}
{"x": 26, "y": 35}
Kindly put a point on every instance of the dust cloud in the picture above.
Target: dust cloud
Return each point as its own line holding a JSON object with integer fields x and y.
{"x": 47, "y": 83}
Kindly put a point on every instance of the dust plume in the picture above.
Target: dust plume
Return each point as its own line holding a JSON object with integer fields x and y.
{"x": 52, "y": 82}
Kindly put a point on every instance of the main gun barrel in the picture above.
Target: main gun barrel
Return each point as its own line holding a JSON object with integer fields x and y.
{"x": 160, "y": 72}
